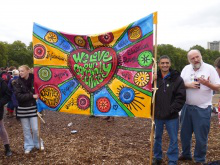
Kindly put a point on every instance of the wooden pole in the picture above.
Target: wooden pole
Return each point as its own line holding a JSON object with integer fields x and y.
{"x": 39, "y": 139}
{"x": 154, "y": 91}
{"x": 39, "y": 118}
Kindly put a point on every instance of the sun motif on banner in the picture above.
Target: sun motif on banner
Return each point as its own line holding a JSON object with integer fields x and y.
{"x": 105, "y": 74}
{"x": 51, "y": 37}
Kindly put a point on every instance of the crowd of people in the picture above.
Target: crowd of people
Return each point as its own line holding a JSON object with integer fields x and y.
{"x": 189, "y": 93}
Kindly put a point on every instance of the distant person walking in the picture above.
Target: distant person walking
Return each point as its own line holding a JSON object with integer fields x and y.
{"x": 27, "y": 108}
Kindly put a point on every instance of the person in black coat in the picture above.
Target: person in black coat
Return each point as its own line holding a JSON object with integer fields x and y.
{"x": 5, "y": 97}
{"x": 169, "y": 100}
{"x": 27, "y": 109}
{"x": 15, "y": 74}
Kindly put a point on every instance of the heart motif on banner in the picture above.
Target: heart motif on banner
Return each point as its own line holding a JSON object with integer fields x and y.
{"x": 93, "y": 69}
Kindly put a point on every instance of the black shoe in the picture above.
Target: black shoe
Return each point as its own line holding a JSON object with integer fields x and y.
{"x": 157, "y": 161}
{"x": 184, "y": 158}
{"x": 7, "y": 150}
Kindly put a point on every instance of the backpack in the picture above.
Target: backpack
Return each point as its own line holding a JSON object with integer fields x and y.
{"x": 5, "y": 76}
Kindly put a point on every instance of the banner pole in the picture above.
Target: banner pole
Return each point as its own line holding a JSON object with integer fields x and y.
{"x": 39, "y": 139}
{"x": 154, "y": 90}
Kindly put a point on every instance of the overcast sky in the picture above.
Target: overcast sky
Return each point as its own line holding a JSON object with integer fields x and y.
{"x": 183, "y": 23}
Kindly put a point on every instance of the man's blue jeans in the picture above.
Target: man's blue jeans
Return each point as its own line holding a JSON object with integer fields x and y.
{"x": 30, "y": 125}
{"x": 197, "y": 120}
{"x": 172, "y": 127}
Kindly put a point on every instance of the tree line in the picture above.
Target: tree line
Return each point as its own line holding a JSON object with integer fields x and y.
{"x": 18, "y": 53}
{"x": 179, "y": 56}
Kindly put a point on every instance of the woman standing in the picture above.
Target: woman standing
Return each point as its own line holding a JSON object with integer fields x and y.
{"x": 5, "y": 96}
{"x": 27, "y": 108}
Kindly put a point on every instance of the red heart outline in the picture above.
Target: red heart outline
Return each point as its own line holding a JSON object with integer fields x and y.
{"x": 72, "y": 62}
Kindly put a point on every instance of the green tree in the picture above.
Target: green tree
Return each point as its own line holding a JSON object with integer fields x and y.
{"x": 3, "y": 54}
{"x": 30, "y": 46}
{"x": 177, "y": 55}
{"x": 18, "y": 54}
{"x": 30, "y": 54}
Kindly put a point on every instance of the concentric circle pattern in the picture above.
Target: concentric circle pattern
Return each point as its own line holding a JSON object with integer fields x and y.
{"x": 39, "y": 51}
{"x": 103, "y": 104}
{"x": 80, "y": 41}
{"x": 126, "y": 95}
{"x": 44, "y": 73}
{"x": 83, "y": 102}
{"x": 106, "y": 38}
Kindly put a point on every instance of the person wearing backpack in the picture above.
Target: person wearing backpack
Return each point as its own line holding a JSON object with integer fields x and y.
{"x": 5, "y": 96}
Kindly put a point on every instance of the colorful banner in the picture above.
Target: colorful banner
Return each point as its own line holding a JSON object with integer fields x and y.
{"x": 103, "y": 75}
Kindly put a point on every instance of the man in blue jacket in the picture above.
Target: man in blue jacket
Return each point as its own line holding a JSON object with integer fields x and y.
{"x": 170, "y": 98}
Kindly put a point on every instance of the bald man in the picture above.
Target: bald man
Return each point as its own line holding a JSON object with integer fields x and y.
{"x": 200, "y": 80}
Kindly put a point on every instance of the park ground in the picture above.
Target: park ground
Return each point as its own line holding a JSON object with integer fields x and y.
{"x": 124, "y": 141}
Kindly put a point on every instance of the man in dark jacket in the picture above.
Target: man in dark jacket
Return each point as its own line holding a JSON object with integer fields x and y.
{"x": 170, "y": 98}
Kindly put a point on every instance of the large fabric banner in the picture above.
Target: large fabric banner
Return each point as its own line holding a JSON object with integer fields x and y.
{"x": 107, "y": 74}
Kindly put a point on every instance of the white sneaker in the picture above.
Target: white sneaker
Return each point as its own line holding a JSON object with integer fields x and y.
{"x": 41, "y": 148}
{"x": 27, "y": 151}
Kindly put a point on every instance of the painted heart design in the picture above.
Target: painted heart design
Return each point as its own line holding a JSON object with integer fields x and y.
{"x": 93, "y": 69}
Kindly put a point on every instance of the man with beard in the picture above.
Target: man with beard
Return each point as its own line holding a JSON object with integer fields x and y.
{"x": 200, "y": 80}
